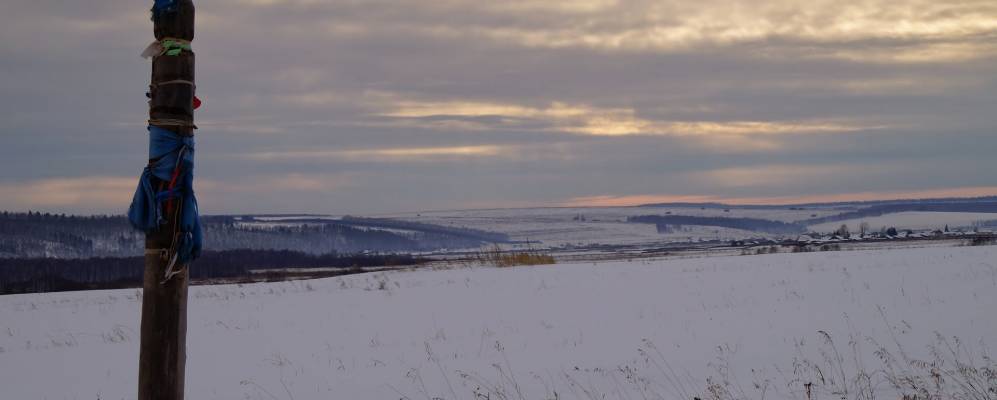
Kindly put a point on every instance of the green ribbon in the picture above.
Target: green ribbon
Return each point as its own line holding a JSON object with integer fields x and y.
{"x": 173, "y": 47}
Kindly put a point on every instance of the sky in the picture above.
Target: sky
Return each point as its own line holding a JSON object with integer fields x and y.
{"x": 373, "y": 106}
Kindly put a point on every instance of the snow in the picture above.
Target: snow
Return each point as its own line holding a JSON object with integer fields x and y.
{"x": 915, "y": 220}
{"x": 568, "y": 328}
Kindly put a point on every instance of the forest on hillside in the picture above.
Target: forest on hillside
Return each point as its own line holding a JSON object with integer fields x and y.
{"x": 30, "y": 275}
{"x": 666, "y": 222}
{"x": 883, "y": 209}
{"x": 34, "y": 235}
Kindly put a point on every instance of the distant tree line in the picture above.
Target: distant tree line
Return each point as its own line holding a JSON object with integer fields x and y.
{"x": 877, "y": 210}
{"x": 477, "y": 234}
{"x": 35, "y": 234}
{"x": 51, "y": 274}
{"x": 225, "y": 233}
{"x": 666, "y": 222}
{"x": 990, "y": 223}
{"x": 38, "y": 235}
{"x": 805, "y": 206}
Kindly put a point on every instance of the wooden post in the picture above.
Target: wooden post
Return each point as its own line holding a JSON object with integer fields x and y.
{"x": 163, "y": 351}
{"x": 163, "y": 348}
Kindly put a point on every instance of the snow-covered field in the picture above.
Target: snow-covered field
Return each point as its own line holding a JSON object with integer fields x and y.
{"x": 630, "y": 330}
{"x": 551, "y": 227}
{"x": 916, "y": 220}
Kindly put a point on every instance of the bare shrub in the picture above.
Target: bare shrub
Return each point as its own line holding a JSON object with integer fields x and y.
{"x": 499, "y": 258}
{"x": 983, "y": 241}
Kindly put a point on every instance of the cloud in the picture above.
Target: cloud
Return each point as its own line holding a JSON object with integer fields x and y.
{"x": 111, "y": 194}
{"x": 872, "y": 31}
{"x": 93, "y": 193}
{"x": 589, "y": 120}
{"x": 339, "y": 106}
{"x": 274, "y": 184}
{"x": 423, "y": 154}
{"x": 778, "y": 175}
{"x": 633, "y": 200}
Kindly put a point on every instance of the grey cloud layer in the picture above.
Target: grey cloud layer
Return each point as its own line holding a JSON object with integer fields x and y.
{"x": 459, "y": 104}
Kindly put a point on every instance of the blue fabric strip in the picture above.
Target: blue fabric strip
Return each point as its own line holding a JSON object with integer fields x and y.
{"x": 162, "y": 4}
{"x": 146, "y": 210}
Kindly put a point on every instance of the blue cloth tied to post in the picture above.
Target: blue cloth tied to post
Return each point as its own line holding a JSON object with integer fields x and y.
{"x": 163, "y": 6}
{"x": 146, "y": 211}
